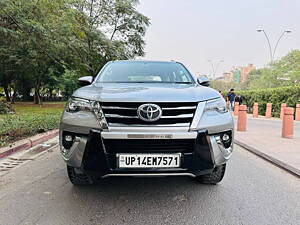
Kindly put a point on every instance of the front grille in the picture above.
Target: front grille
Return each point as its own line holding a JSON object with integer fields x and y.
{"x": 149, "y": 145}
{"x": 173, "y": 114}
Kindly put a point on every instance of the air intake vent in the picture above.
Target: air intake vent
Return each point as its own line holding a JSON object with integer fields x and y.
{"x": 148, "y": 145}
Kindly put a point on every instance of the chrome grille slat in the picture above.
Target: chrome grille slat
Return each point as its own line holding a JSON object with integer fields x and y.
{"x": 163, "y": 117}
{"x": 173, "y": 114}
{"x": 179, "y": 116}
{"x": 116, "y": 107}
{"x": 156, "y": 125}
{"x": 118, "y": 116}
{"x": 183, "y": 107}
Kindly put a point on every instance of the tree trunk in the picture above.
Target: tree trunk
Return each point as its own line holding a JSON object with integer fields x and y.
{"x": 13, "y": 97}
{"x": 37, "y": 97}
{"x": 6, "y": 93}
{"x": 50, "y": 94}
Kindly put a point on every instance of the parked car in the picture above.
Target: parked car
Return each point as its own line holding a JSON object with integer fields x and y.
{"x": 145, "y": 118}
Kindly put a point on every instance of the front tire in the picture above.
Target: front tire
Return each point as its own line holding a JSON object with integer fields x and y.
{"x": 214, "y": 177}
{"x": 78, "y": 177}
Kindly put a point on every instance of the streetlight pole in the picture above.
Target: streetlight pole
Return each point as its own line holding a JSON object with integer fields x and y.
{"x": 269, "y": 43}
{"x": 283, "y": 33}
{"x": 218, "y": 64}
{"x": 215, "y": 67}
{"x": 272, "y": 53}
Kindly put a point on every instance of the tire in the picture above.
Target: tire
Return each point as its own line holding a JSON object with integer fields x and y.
{"x": 213, "y": 178}
{"x": 78, "y": 177}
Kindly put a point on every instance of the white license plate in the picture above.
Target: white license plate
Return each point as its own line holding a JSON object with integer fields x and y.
{"x": 149, "y": 160}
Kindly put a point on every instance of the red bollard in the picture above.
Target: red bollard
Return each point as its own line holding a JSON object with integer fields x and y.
{"x": 236, "y": 109}
{"x": 283, "y": 106}
{"x": 297, "y": 112}
{"x": 288, "y": 123}
{"x": 269, "y": 110}
{"x": 255, "y": 110}
{"x": 242, "y": 118}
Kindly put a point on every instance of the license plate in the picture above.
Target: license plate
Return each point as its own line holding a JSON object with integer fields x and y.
{"x": 149, "y": 160}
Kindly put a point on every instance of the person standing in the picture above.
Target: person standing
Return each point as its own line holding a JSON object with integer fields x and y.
{"x": 220, "y": 92}
{"x": 231, "y": 97}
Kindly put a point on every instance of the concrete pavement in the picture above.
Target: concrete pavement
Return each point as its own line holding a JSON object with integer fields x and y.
{"x": 253, "y": 192}
{"x": 27, "y": 143}
{"x": 263, "y": 137}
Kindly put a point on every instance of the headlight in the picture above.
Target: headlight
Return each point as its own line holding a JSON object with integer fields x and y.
{"x": 216, "y": 105}
{"x": 79, "y": 104}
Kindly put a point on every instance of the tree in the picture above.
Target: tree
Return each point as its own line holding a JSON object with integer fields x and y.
{"x": 287, "y": 69}
{"x": 108, "y": 30}
{"x": 41, "y": 40}
{"x": 284, "y": 72}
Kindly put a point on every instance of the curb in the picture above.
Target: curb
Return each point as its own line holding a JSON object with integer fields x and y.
{"x": 27, "y": 143}
{"x": 269, "y": 158}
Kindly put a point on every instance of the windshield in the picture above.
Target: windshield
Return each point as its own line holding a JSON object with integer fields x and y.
{"x": 145, "y": 72}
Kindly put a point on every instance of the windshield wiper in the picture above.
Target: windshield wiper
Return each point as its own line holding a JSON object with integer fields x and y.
{"x": 149, "y": 82}
{"x": 182, "y": 82}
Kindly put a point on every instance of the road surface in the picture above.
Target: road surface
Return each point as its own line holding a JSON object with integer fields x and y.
{"x": 252, "y": 192}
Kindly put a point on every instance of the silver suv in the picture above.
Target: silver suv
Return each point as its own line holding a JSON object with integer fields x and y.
{"x": 145, "y": 118}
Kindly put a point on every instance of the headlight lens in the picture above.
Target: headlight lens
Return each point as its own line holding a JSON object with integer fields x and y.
{"x": 78, "y": 104}
{"x": 216, "y": 105}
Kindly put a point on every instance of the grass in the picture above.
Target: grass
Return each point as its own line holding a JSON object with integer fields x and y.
{"x": 28, "y": 107}
{"x": 29, "y": 119}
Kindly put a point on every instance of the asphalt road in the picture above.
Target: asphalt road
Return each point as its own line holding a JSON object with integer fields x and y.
{"x": 252, "y": 192}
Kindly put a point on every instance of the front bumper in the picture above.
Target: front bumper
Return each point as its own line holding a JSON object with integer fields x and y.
{"x": 93, "y": 152}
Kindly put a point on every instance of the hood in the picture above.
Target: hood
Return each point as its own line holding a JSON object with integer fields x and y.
{"x": 146, "y": 92}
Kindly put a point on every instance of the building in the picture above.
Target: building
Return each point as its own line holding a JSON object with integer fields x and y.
{"x": 237, "y": 75}
{"x": 245, "y": 70}
{"x": 228, "y": 77}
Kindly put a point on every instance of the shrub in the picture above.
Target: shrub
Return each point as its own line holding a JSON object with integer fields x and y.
{"x": 5, "y": 107}
{"x": 14, "y": 127}
{"x": 289, "y": 95}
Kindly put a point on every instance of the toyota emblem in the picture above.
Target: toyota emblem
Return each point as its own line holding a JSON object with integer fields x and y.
{"x": 149, "y": 112}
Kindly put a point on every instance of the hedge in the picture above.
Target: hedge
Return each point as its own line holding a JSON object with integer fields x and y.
{"x": 14, "y": 127}
{"x": 289, "y": 95}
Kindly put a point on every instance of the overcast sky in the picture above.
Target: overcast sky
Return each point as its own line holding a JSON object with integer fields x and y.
{"x": 194, "y": 31}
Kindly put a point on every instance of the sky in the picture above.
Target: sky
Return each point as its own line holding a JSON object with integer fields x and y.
{"x": 195, "y": 31}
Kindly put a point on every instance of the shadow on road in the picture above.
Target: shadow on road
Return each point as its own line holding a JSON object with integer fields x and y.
{"x": 146, "y": 188}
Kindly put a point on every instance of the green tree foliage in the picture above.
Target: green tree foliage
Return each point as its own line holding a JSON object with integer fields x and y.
{"x": 41, "y": 41}
{"x": 284, "y": 72}
{"x": 224, "y": 87}
{"x": 68, "y": 82}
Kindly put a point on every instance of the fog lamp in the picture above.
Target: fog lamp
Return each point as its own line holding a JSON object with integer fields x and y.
{"x": 68, "y": 138}
{"x": 225, "y": 137}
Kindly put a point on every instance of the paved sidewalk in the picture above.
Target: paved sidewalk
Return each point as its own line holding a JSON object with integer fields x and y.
{"x": 263, "y": 137}
{"x": 27, "y": 143}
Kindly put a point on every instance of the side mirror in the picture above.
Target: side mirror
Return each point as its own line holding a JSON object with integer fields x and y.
{"x": 83, "y": 81}
{"x": 203, "y": 81}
